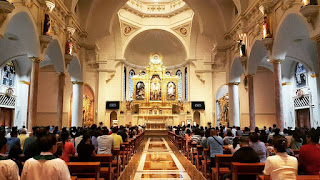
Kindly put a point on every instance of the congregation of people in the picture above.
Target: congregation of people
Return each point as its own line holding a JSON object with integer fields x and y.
{"x": 47, "y": 149}
{"x": 276, "y": 149}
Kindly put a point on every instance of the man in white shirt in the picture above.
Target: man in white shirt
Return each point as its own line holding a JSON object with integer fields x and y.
{"x": 46, "y": 166}
{"x": 8, "y": 168}
{"x": 105, "y": 142}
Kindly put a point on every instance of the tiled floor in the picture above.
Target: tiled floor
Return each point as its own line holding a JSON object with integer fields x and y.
{"x": 158, "y": 159}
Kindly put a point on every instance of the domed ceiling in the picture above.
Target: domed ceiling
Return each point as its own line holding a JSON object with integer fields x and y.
{"x": 152, "y": 41}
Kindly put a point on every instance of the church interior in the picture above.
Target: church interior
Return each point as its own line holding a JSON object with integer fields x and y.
{"x": 166, "y": 76}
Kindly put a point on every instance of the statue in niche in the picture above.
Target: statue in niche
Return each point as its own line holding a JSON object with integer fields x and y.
{"x": 309, "y": 2}
{"x": 155, "y": 88}
{"x": 224, "y": 109}
{"x": 47, "y": 25}
{"x": 140, "y": 91}
{"x": 242, "y": 48}
{"x": 69, "y": 46}
{"x": 171, "y": 91}
{"x": 266, "y": 28}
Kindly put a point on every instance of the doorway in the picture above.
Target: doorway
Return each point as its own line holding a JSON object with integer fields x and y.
{"x": 113, "y": 117}
{"x": 196, "y": 117}
{"x": 6, "y": 117}
{"x": 303, "y": 118}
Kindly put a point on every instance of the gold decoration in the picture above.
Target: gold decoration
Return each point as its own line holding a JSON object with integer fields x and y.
{"x": 36, "y": 59}
{"x": 224, "y": 109}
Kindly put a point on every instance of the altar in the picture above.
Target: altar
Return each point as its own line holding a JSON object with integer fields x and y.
{"x": 155, "y": 95}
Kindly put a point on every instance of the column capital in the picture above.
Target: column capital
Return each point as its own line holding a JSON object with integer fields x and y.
{"x": 77, "y": 82}
{"x": 250, "y": 75}
{"x": 233, "y": 83}
{"x": 36, "y": 59}
{"x": 276, "y": 61}
{"x": 61, "y": 73}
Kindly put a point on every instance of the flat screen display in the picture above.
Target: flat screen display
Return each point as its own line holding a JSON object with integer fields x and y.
{"x": 113, "y": 105}
{"x": 199, "y": 105}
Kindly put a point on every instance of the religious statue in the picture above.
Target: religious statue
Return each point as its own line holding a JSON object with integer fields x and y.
{"x": 155, "y": 90}
{"x": 181, "y": 105}
{"x": 224, "y": 108}
{"x": 69, "y": 46}
{"x": 171, "y": 91}
{"x": 140, "y": 91}
{"x": 47, "y": 25}
{"x": 266, "y": 28}
{"x": 309, "y": 2}
{"x": 128, "y": 105}
{"x": 242, "y": 48}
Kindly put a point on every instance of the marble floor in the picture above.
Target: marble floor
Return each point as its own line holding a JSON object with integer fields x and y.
{"x": 158, "y": 159}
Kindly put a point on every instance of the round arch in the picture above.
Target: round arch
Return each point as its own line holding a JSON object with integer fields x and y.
{"x": 75, "y": 70}
{"x": 20, "y": 38}
{"x": 144, "y": 30}
{"x": 259, "y": 56}
{"x": 54, "y": 56}
{"x": 236, "y": 71}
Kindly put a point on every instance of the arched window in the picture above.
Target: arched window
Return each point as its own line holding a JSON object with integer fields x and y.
{"x": 131, "y": 85}
{"x": 168, "y": 73}
{"x": 186, "y": 83}
{"x": 9, "y": 74}
{"x": 143, "y": 73}
{"x": 179, "y": 74}
{"x": 301, "y": 75}
{"x": 125, "y": 83}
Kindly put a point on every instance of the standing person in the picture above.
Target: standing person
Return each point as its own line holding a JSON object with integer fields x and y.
{"x": 46, "y": 166}
{"x": 216, "y": 146}
{"x": 309, "y": 156}
{"x": 8, "y": 168}
{"x": 13, "y": 140}
{"x": 68, "y": 148}
{"x": 258, "y": 147}
{"x": 105, "y": 142}
{"x": 23, "y": 136}
{"x": 280, "y": 166}
{"x": 117, "y": 139}
{"x": 85, "y": 149}
{"x": 14, "y": 153}
{"x": 31, "y": 146}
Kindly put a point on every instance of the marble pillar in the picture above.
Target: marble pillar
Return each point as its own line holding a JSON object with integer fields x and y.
{"x": 252, "y": 115}
{"x": 33, "y": 96}
{"x": 61, "y": 77}
{"x": 278, "y": 93}
{"x": 77, "y": 104}
{"x": 234, "y": 104}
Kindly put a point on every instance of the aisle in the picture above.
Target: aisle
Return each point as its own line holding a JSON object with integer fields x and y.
{"x": 159, "y": 162}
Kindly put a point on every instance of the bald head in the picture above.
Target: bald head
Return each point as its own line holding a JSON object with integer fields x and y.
{"x": 213, "y": 132}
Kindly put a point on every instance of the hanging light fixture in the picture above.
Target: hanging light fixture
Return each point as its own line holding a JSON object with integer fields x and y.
{"x": 50, "y": 4}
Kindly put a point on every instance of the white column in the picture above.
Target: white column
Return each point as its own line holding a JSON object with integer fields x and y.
{"x": 77, "y": 104}
{"x": 234, "y": 105}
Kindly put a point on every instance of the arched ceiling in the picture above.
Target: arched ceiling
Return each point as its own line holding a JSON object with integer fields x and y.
{"x": 214, "y": 16}
{"x": 163, "y": 42}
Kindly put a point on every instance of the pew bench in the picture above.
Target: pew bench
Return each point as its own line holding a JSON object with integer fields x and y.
{"x": 223, "y": 162}
{"x": 246, "y": 169}
{"x": 85, "y": 169}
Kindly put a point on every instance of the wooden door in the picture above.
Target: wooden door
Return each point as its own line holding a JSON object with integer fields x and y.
{"x": 303, "y": 118}
{"x": 6, "y": 117}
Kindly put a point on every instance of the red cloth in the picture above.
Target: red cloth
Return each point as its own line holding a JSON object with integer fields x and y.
{"x": 67, "y": 150}
{"x": 309, "y": 158}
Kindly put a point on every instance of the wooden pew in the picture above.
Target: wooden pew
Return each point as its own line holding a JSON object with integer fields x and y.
{"x": 117, "y": 161}
{"x": 198, "y": 157}
{"x": 221, "y": 160}
{"x": 85, "y": 169}
{"x": 206, "y": 162}
{"x": 246, "y": 169}
{"x": 299, "y": 177}
{"x": 106, "y": 168}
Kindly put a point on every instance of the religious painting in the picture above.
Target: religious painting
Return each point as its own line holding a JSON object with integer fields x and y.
{"x": 171, "y": 91}
{"x": 140, "y": 91}
{"x": 155, "y": 88}
{"x": 300, "y": 76}
{"x": 9, "y": 74}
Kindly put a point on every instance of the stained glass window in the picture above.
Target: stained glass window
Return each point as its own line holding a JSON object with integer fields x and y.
{"x": 168, "y": 73}
{"x": 143, "y": 73}
{"x": 131, "y": 85}
{"x": 186, "y": 83}
{"x": 179, "y": 74}
{"x": 301, "y": 76}
{"x": 125, "y": 83}
{"x": 9, "y": 75}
